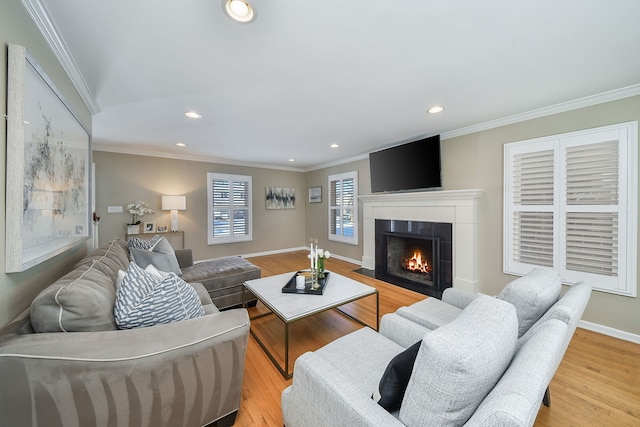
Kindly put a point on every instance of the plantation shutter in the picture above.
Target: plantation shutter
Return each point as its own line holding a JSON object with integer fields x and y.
{"x": 571, "y": 204}
{"x": 229, "y": 208}
{"x": 592, "y": 208}
{"x": 533, "y": 175}
{"x": 343, "y": 208}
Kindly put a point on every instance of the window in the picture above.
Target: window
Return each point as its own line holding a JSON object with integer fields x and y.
{"x": 571, "y": 204}
{"x": 343, "y": 208}
{"x": 229, "y": 208}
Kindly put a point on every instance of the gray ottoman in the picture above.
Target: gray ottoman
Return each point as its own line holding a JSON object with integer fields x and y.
{"x": 222, "y": 277}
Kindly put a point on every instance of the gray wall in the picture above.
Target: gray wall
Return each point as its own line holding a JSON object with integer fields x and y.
{"x": 17, "y": 290}
{"x": 123, "y": 178}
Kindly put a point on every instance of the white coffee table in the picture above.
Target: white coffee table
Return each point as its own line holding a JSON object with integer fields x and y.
{"x": 290, "y": 307}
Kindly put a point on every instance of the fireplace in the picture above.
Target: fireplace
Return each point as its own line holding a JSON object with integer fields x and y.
{"x": 415, "y": 255}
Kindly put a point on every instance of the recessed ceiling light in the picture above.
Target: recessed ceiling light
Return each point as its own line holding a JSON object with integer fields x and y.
{"x": 292, "y": 160}
{"x": 436, "y": 109}
{"x": 239, "y": 10}
{"x": 192, "y": 115}
{"x": 335, "y": 145}
{"x": 181, "y": 144}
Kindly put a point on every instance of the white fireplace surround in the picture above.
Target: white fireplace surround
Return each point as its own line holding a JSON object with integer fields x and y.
{"x": 458, "y": 207}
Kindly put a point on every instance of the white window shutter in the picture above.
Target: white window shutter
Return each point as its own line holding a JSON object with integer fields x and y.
{"x": 571, "y": 204}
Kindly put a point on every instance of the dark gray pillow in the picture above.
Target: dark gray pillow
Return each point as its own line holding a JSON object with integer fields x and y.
{"x": 162, "y": 257}
{"x": 395, "y": 379}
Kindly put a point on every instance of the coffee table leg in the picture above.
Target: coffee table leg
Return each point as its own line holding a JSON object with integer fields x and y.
{"x": 286, "y": 351}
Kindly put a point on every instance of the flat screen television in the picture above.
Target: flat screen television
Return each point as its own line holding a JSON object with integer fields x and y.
{"x": 408, "y": 167}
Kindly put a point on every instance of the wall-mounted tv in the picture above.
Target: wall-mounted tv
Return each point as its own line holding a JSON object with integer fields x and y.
{"x": 407, "y": 167}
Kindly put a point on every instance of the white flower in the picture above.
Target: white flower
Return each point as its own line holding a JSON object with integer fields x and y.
{"x": 320, "y": 253}
{"x": 326, "y": 254}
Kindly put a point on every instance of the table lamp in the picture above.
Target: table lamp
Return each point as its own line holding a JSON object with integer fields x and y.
{"x": 174, "y": 204}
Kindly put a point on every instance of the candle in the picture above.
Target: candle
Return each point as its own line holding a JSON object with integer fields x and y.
{"x": 311, "y": 255}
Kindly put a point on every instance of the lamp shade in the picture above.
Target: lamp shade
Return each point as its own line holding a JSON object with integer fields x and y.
{"x": 170, "y": 203}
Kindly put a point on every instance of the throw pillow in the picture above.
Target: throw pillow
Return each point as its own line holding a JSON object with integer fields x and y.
{"x": 395, "y": 379}
{"x": 459, "y": 363}
{"x": 147, "y": 245}
{"x": 144, "y": 300}
{"x": 162, "y": 256}
{"x": 532, "y": 295}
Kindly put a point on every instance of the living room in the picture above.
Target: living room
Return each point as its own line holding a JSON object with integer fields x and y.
{"x": 472, "y": 158}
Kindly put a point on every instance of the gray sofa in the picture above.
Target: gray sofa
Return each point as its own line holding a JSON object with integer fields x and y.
{"x": 223, "y": 277}
{"x": 185, "y": 373}
{"x": 476, "y": 369}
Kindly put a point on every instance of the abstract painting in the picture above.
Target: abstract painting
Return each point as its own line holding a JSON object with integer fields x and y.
{"x": 48, "y": 168}
{"x": 281, "y": 198}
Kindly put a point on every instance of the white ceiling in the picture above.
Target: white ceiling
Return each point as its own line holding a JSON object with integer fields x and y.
{"x": 306, "y": 74}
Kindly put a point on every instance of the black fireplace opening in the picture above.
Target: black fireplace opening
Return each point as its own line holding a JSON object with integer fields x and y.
{"x": 415, "y": 255}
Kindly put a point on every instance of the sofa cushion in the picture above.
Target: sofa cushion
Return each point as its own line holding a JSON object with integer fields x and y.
{"x": 145, "y": 299}
{"x": 394, "y": 381}
{"x": 459, "y": 363}
{"x": 161, "y": 255}
{"x": 83, "y": 299}
{"x": 532, "y": 295}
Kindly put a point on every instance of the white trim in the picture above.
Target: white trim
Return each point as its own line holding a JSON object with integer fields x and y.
{"x": 40, "y": 16}
{"x": 610, "y": 332}
{"x": 587, "y": 101}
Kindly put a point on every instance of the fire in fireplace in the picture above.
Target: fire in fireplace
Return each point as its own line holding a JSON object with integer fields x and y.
{"x": 414, "y": 255}
{"x": 417, "y": 264}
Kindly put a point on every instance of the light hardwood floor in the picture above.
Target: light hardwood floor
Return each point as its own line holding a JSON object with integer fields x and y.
{"x": 597, "y": 384}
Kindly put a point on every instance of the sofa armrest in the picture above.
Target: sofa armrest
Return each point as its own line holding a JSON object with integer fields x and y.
{"x": 335, "y": 400}
{"x": 187, "y": 372}
{"x": 401, "y": 330}
{"x": 185, "y": 257}
{"x": 458, "y": 297}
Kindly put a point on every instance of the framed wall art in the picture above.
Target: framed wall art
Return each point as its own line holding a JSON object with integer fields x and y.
{"x": 48, "y": 168}
{"x": 280, "y": 198}
{"x": 315, "y": 194}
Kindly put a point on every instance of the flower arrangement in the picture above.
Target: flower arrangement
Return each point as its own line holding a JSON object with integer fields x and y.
{"x": 137, "y": 209}
{"x": 317, "y": 257}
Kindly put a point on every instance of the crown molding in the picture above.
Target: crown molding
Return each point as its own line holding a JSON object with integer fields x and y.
{"x": 587, "y": 101}
{"x": 120, "y": 149}
{"x": 38, "y": 13}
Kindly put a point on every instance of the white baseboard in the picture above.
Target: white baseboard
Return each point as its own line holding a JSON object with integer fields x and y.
{"x": 611, "y": 332}
{"x": 301, "y": 248}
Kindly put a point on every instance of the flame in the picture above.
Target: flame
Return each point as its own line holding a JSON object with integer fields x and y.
{"x": 415, "y": 263}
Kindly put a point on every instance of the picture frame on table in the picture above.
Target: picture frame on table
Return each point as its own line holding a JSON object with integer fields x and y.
{"x": 48, "y": 182}
{"x": 149, "y": 227}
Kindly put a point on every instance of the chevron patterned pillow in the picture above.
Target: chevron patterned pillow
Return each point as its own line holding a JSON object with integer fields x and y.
{"x": 145, "y": 300}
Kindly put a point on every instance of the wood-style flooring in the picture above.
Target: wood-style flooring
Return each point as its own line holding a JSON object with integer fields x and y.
{"x": 597, "y": 383}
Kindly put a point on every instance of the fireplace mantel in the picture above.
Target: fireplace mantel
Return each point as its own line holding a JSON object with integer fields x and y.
{"x": 458, "y": 207}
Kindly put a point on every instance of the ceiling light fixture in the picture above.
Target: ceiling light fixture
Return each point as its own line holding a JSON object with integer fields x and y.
{"x": 334, "y": 145}
{"x": 435, "y": 110}
{"x": 239, "y": 10}
{"x": 292, "y": 160}
{"x": 193, "y": 115}
{"x": 181, "y": 144}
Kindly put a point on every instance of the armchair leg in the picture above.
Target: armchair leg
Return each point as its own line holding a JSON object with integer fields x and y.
{"x": 546, "y": 400}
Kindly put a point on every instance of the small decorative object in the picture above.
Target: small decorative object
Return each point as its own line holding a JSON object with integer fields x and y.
{"x": 300, "y": 282}
{"x": 137, "y": 209}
